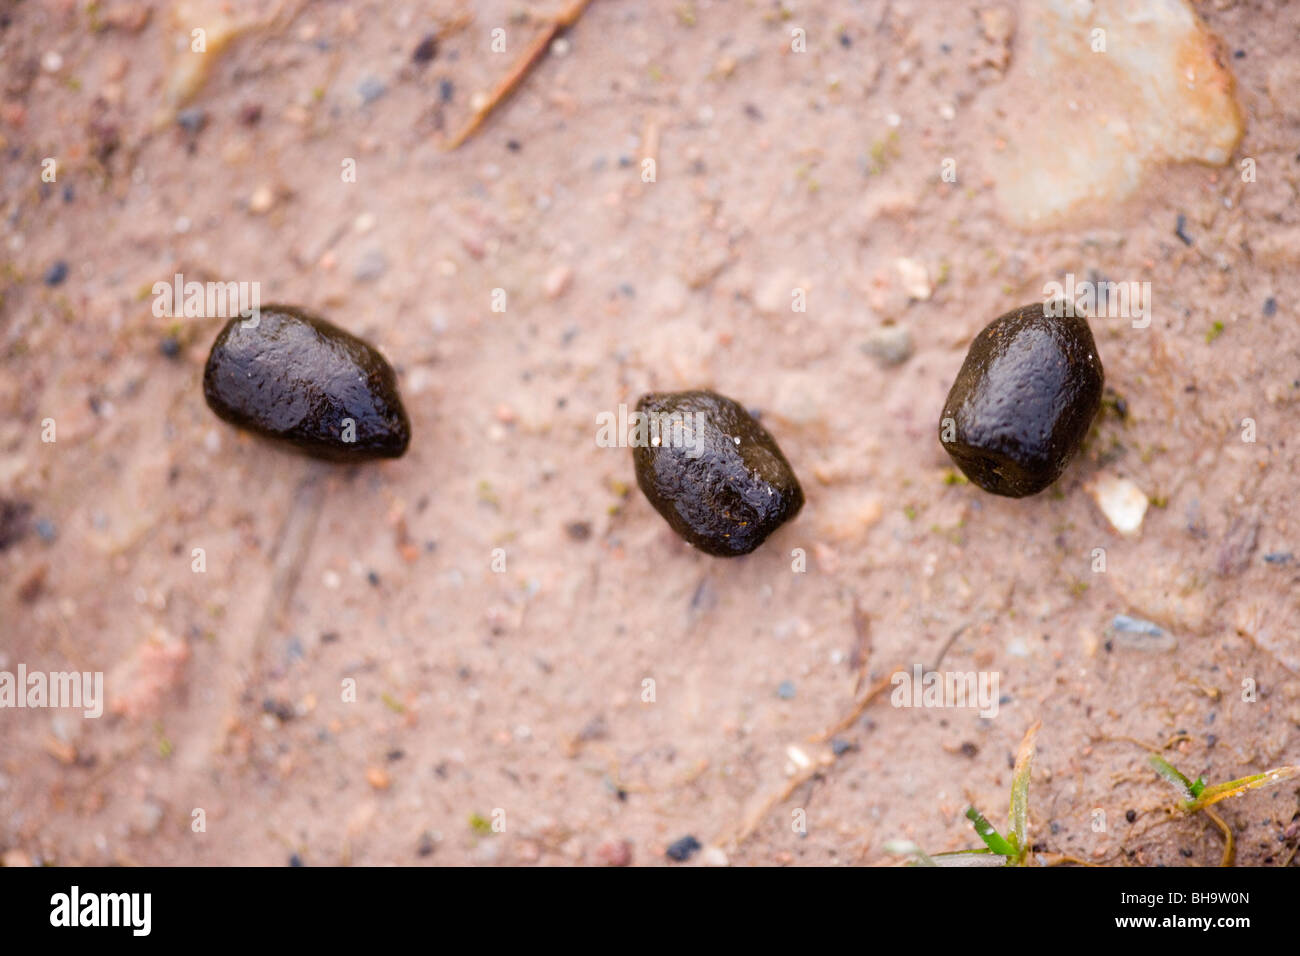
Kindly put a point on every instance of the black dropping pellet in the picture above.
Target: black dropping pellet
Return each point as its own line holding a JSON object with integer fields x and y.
{"x": 293, "y": 377}
{"x": 713, "y": 472}
{"x": 1023, "y": 401}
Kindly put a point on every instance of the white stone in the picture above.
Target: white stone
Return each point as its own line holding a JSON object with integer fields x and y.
{"x": 1120, "y": 500}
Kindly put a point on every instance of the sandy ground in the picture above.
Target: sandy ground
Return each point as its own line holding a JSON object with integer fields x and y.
{"x": 502, "y": 716}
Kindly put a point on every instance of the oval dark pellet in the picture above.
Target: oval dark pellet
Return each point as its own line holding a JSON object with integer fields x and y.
{"x": 717, "y": 476}
{"x": 1023, "y": 401}
{"x": 298, "y": 379}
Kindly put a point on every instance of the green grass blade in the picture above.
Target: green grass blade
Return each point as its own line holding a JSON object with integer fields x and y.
{"x": 1221, "y": 791}
{"x": 994, "y": 840}
{"x": 1171, "y": 774}
{"x": 1019, "y": 820}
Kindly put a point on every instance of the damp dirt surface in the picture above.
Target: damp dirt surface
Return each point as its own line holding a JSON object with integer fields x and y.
{"x": 493, "y": 650}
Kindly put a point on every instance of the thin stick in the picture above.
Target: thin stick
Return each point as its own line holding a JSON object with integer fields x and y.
{"x": 534, "y": 52}
{"x": 846, "y": 722}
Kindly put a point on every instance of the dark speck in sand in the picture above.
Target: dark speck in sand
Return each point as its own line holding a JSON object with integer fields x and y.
{"x": 426, "y": 49}
{"x": 683, "y": 849}
{"x": 56, "y": 273}
{"x": 13, "y": 521}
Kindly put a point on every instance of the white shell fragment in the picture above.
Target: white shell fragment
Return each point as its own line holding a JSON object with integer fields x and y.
{"x": 1121, "y": 501}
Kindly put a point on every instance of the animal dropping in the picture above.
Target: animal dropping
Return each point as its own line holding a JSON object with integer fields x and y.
{"x": 301, "y": 380}
{"x": 713, "y": 472}
{"x": 1023, "y": 400}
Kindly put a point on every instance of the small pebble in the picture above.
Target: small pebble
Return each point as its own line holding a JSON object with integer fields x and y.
{"x": 840, "y": 746}
{"x": 192, "y": 120}
{"x": 683, "y": 849}
{"x": 557, "y": 281}
{"x": 785, "y": 690}
{"x": 1270, "y": 307}
{"x": 890, "y": 344}
{"x": 56, "y": 273}
{"x": 915, "y": 278}
{"x": 46, "y": 530}
{"x": 170, "y": 347}
{"x": 426, "y": 49}
{"x": 1141, "y": 635}
{"x": 1278, "y": 557}
{"x": 615, "y": 853}
{"x": 295, "y": 860}
{"x": 262, "y": 200}
{"x": 51, "y": 61}
{"x": 370, "y": 89}
{"x": 446, "y": 90}
{"x": 1120, "y": 500}
{"x": 372, "y": 264}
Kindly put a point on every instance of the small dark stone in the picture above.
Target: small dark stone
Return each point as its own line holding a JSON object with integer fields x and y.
{"x": 46, "y": 530}
{"x": 969, "y": 749}
{"x": 1180, "y": 230}
{"x": 1023, "y": 401}
{"x": 1278, "y": 557}
{"x": 514, "y": 145}
{"x": 715, "y": 475}
{"x": 300, "y": 379}
{"x": 1270, "y": 306}
{"x": 426, "y": 845}
{"x": 370, "y": 89}
{"x": 170, "y": 347}
{"x": 69, "y": 194}
{"x": 56, "y": 273}
{"x": 1186, "y": 852}
{"x": 426, "y": 49}
{"x": 846, "y": 41}
{"x": 786, "y": 690}
{"x": 295, "y": 860}
{"x": 578, "y": 530}
{"x": 192, "y": 120}
{"x": 446, "y": 90}
{"x": 840, "y": 746}
{"x": 683, "y": 849}
{"x": 13, "y": 521}
{"x": 282, "y": 709}
{"x": 373, "y": 578}
{"x": 1130, "y": 815}
{"x": 250, "y": 114}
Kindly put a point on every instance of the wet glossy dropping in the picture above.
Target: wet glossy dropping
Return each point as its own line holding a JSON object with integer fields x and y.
{"x": 301, "y": 380}
{"x": 713, "y": 472}
{"x": 1023, "y": 401}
